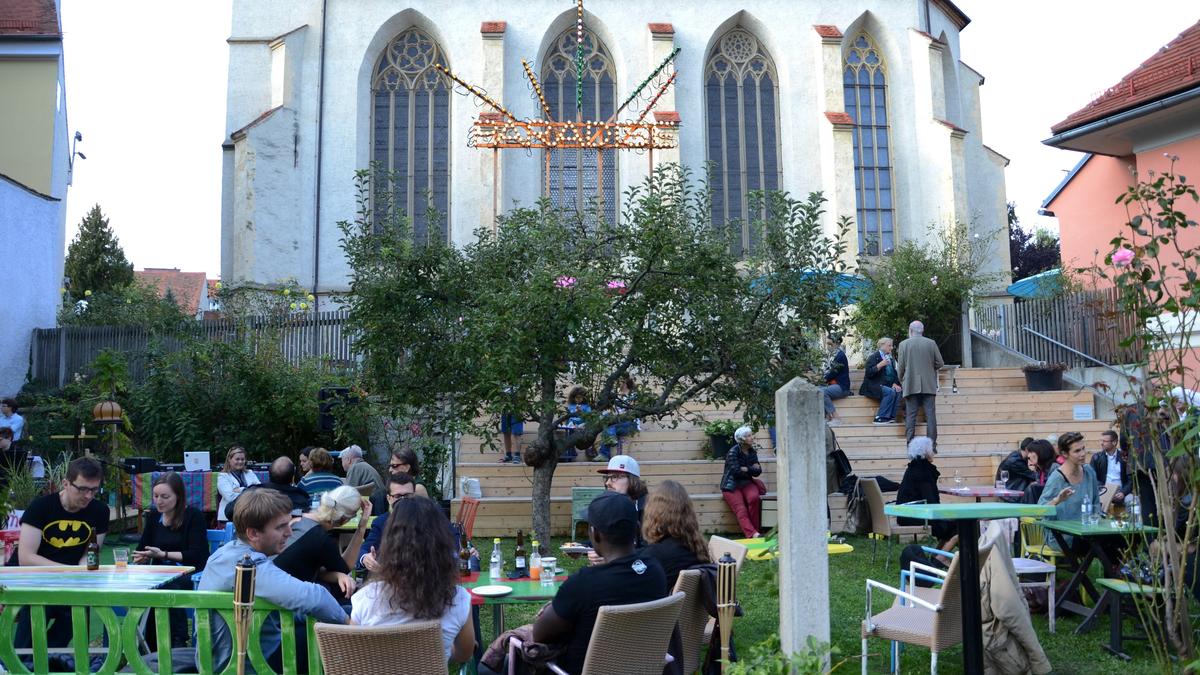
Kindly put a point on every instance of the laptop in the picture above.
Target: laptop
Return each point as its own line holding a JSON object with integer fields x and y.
{"x": 197, "y": 461}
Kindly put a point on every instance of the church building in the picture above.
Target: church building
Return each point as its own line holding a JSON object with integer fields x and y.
{"x": 867, "y": 102}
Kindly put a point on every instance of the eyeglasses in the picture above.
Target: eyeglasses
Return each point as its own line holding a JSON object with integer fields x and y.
{"x": 613, "y": 477}
{"x": 406, "y": 495}
{"x": 85, "y": 489}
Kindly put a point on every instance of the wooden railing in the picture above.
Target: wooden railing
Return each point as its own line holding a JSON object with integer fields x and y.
{"x": 122, "y": 632}
{"x": 1090, "y": 323}
{"x": 58, "y": 353}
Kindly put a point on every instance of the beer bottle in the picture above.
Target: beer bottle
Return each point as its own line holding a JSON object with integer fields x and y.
{"x": 522, "y": 567}
{"x": 93, "y": 553}
{"x": 464, "y": 557}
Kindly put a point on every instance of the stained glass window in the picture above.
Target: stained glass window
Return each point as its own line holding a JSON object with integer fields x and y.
{"x": 410, "y": 127}
{"x": 575, "y": 178}
{"x": 741, "y": 115}
{"x": 865, "y": 86}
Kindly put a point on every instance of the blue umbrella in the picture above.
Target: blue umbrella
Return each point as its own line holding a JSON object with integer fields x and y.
{"x": 1044, "y": 285}
{"x": 847, "y": 288}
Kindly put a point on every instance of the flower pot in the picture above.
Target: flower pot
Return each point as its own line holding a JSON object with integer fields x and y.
{"x": 720, "y": 445}
{"x": 1044, "y": 380}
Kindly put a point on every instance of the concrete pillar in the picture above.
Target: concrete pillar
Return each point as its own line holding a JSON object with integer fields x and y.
{"x": 662, "y": 42}
{"x": 836, "y": 140}
{"x": 803, "y": 520}
{"x": 491, "y": 162}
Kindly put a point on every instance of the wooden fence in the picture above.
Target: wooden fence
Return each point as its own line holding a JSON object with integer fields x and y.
{"x": 1090, "y": 322}
{"x": 58, "y": 353}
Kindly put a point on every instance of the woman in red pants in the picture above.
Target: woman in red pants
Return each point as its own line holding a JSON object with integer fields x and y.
{"x": 740, "y": 485}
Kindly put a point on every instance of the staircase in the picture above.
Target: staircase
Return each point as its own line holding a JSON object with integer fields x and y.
{"x": 978, "y": 427}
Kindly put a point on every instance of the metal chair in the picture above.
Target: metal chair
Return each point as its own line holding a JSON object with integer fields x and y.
{"x": 627, "y": 639}
{"x": 935, "y": 625}
{"x": 581, "y": 497}
{"x": 408, "y": 649}
{"x": 882, "y": 525}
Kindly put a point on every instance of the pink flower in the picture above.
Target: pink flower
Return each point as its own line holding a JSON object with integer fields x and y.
{"x": 565, "y": 282}
{"x": 617, "y": 286}
{"x": 1122, "y": 257}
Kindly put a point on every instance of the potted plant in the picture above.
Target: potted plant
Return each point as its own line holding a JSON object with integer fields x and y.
{"x": 1044, "y": 376}
{"x": 720, "y": 436}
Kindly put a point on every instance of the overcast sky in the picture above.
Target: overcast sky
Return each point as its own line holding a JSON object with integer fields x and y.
{"x": 146, "y": 87}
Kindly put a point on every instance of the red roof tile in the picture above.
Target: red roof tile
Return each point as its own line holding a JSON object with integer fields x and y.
{"x": 666, "y": 117}
{"x": 493, "y": 27}
{"x": 661, "y": 28}
{"x": 827, "y": 31}
{"x": 29, "y": 17}
{"x": 1173, "y": 68}
{"x": 185, "y": 287}
{"x": 839, "y": 118}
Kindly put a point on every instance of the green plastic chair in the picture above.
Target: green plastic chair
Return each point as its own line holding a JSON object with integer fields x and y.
{"x": 580, "y": 498}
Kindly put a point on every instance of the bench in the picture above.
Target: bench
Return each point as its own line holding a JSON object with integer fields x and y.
{"x": 122, "y": 634}
{"x": 1115, "y": 592}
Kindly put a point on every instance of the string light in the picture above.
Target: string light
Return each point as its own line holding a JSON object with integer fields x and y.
{"x": 653, "y": 74}
{"x": 654, "y": 101}
{"x": 579, "y": 57}
{"x": 476, "y": 92}
{"x": 537, "y": 88}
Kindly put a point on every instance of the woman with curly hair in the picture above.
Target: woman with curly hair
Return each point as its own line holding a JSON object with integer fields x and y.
{"x": 672, "y": 531}
{"x": 417, "y": 579}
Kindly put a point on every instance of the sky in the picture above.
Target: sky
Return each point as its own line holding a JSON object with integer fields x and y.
{"x": 146, "y": 88}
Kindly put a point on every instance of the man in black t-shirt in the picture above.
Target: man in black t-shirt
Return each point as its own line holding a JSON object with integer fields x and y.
{"x": 626, "y": 578}
{"x": 55, "y": 530}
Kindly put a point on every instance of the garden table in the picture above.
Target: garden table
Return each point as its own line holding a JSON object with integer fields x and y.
{"x": 968, "y": 517}
{"x": 1092, "y": 534}
{"x": 108, "y": 577}
{"x": 526, "y": 591}
{"x": 980, "y": 491}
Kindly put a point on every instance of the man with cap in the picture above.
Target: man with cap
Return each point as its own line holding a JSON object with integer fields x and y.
{"x": 627, "y": 578}
{"x": 624, "y": 476}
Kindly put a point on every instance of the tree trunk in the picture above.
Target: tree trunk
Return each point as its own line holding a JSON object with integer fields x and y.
{"x": 543, "y": 476}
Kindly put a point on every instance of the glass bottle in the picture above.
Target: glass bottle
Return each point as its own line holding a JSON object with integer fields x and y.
{"x": 93, "y": 553}
{"x": 464, "y": 557}
{"x": 496, "y": 565}
{"x": 535, "y": 562}
{"x": 522, "y": 570}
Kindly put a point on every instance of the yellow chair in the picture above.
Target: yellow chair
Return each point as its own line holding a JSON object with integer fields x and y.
{"x": 1034, "y": 545}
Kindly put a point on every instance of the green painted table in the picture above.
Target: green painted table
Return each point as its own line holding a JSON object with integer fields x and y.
{"x": 108, "y": 577}
{"x": 525, "y": 591}
{"x": 1095, "y": 536}
{"x": 968, "y": 517}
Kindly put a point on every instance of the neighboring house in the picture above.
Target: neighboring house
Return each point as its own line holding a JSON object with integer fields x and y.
{"x": 1152, "y": 114}
{"x": 867, "y": 102}
{"x": 34, "y": 175}
{"x": 189, "y": 289}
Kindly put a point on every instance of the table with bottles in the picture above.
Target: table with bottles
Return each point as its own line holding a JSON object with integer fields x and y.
{"x": 525, "y": 588}
{"x": 1093, "y": 530}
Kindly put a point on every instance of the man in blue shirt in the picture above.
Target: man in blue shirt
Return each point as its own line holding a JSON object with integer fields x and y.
{"x": 400, "y": 486}
{"x": 262, "y": 519}
{"x": 9, "y": 418}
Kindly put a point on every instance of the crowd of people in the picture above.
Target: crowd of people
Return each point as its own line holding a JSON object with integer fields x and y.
{"x": 641, "y": 540}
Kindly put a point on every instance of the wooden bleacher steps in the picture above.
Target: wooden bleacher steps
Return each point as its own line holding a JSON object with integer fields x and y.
{"x": 977, "y": 427}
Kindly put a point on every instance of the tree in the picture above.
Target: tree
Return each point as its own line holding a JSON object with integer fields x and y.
{"x": 95, "y": 261}
{"x": 134, "y": 304}
{"x": 506, "y": 323}
{"x": 1030, "y": 253}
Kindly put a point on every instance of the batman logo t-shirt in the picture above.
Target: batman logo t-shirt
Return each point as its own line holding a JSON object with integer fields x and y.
{"x": 64, "y": 534}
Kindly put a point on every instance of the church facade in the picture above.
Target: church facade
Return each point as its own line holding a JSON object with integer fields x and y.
{"x": 867, "y": 102}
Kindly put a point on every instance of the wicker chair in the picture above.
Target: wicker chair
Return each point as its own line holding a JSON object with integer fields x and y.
{"x": 408, "y": 649}
{"x": 915, "y": 620}
{"x": 626, "y": 640}
{"x": 719, "y": 546}
{"x": 884, "y": 526}
{"x": 693, "y": 618}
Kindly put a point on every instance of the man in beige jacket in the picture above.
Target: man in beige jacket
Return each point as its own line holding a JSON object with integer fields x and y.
{"x": 918, "y": 360}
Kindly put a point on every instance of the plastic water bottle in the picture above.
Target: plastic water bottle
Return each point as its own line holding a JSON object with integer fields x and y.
{"x": 1085, "y": 511}
{"x": 497, "y": 562}
{"x": 1134, "y": 507}
{"x": 535, "y": 562}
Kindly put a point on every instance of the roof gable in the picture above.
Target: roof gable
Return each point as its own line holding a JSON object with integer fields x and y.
{"x": 185, "y": 287}
{"x": 1173, "y": 68}
{"x": 28, "y": 17}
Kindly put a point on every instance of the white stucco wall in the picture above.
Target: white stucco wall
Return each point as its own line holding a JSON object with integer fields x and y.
{"x": 812, "y": 157}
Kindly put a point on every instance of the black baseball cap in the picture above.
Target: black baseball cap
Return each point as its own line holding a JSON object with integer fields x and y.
{"x": 613, "y": 515}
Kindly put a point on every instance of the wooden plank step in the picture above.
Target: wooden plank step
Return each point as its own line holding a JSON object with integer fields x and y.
{"x": 502, "y": 516}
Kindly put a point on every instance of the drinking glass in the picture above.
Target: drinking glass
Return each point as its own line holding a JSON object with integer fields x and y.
{"x": 549, "y": 570}
{"x": 958, "y": 479}
{"x": 1003, "y": 478}
{"x": 121, "y": 557}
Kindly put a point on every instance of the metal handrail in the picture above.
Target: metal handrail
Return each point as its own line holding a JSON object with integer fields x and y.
{"x": 1074, "y": 351}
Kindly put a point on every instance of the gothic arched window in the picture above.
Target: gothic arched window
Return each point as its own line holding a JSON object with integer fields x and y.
{"x": 576, "y": 177}
{"x": 410, "y": 127}
{"x": 865, "y": 86}
{"x": 742, "y": 118}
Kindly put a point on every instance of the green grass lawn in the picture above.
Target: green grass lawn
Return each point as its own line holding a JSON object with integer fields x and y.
{"x": 1067, "y": 652}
